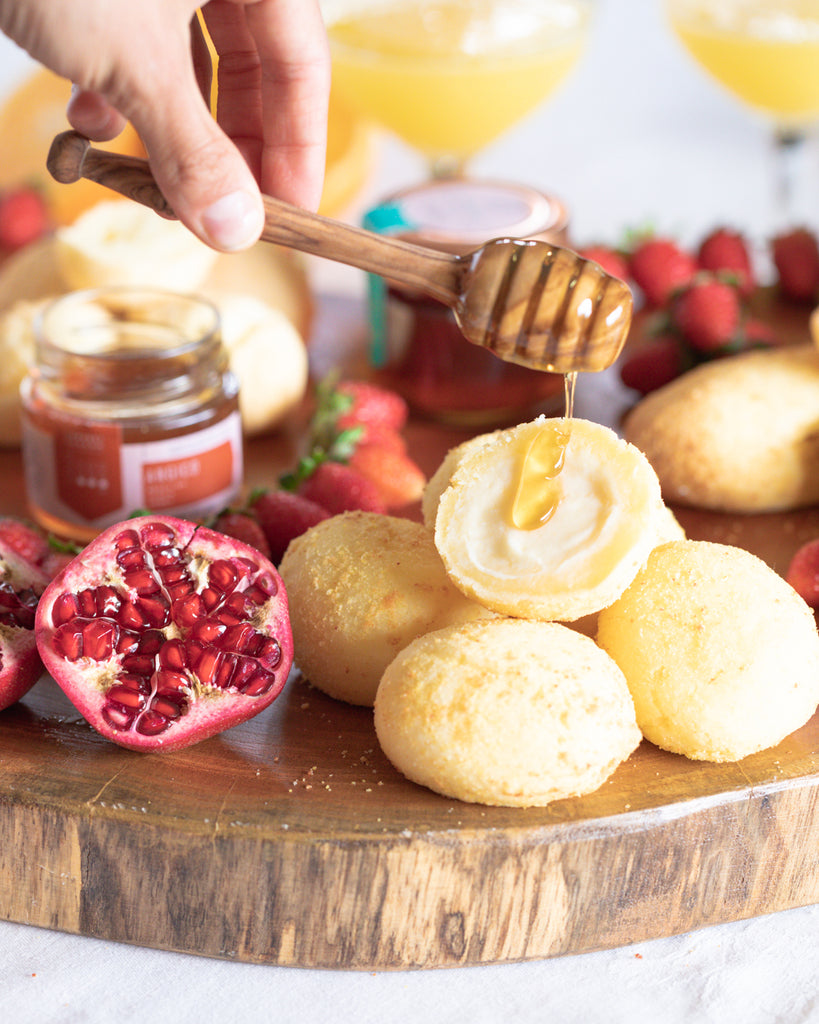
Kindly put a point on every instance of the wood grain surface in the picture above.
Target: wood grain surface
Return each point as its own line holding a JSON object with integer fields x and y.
{"x": 291, "y": 840}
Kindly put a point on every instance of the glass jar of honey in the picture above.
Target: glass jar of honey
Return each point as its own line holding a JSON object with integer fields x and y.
{"x": 416, "y": 346}
{"x": 130, "y": 405}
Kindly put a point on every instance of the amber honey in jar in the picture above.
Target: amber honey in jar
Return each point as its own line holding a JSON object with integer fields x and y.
{"x": 129, "y": 405}
{"x": 416, "y": 346}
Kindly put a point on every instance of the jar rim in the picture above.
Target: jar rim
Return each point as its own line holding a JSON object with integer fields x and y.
{"x": 118, "y": 300}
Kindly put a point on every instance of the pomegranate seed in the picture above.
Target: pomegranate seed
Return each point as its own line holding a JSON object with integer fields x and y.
{"x": 131, "y": 616}
{"x": 239, "y": 638}
{"x": 256, "y": 595}
{"x": 87, "y": 603}
{"x": 211, "y": 598}
{"x": 68, "y": 641}
{"x": 259, "y": 683}
{"x": 265, "y": 582}
{"x": 245, "y": 669}
{"x": 151, "y": 723}
{"x": 131, "y": 558}
{"x": 206, "y": 631}
{"x": 65, "y": 609}
{"x": 99, "y": 639}
{"x": 172, "y": 655}
{"x": 244, "y": 566}
{"x": 128, "y": 642}
{"x": 187, "y": 611}
{"x": 222, "y": 575}
{"x": 117, "y": 716}
{"x": 168, "y": 558}
{"x": 157, "y": 535}
{"x": 208, "y": 665}
{"x": 178, "y": 591}
{"x": 174, "y": 573}
{"x": 269, "y": 652}
{"x": 126, "y": 539}
{"x": 107, "y": 601}
{"x": 126, "y": 697}
{"x": 224, "y": 674}
{"x": 137, "y": 683}
{"x": 151, "y": 642}
{"x": 156, "y": 610}
{"x": 139, "y": 664}
{"x": 169, "y": 681}
{"x": 165, "y": 707}
{"x": 237, "y": 605}
{"x": 142, "y": 581}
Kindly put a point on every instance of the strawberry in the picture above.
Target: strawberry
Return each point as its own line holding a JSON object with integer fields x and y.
{"x": 398, "y": 479}
{"x": 707, "y": 313}
{"x": 653, "y": 364}
{"x": 23, "y": 217}
{"x": 612, "y": 261}
{"x": 725, "y": 251}
{"x": 803, "y": 572}
{"x": 659, "y": 267}
{"x": 371, "y": 406}
{"x": 283, "y": 516}
{"x": 339, "y": 488}
{"x": 243, "y": 527}
{"x": 796, "y": 257}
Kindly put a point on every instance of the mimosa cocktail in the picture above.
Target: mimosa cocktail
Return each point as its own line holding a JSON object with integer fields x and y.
{"x": 766, "y": 52}
{"x": 448, "y": 76}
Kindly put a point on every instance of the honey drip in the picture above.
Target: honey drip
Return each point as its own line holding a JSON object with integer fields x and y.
{"x": 538, "y": 490}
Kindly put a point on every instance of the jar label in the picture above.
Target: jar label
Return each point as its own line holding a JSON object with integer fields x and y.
{"x": 85, "y": 472}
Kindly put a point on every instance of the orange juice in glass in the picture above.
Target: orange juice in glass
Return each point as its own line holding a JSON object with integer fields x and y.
{"x": 448, "y": 76}
{"x": 765, "y": 52}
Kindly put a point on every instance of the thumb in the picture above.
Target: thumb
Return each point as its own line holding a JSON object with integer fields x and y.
{"x": 200, "y": 172}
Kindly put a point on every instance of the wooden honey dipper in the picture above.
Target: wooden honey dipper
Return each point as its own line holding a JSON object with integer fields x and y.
{"x": 527, "y": 301}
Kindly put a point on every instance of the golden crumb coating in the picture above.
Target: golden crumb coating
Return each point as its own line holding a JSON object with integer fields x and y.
{"x": 738, "y": 434}
{"x": 361, "y": 586}
{"x": 607, "y": 517}
{"x": 721, "y": 655}
{"x": 507, "y": 712}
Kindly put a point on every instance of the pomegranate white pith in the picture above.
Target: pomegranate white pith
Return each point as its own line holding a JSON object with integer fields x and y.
{"x": 163, "y": 633}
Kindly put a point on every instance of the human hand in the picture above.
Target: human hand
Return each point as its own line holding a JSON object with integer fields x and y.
{"x": 136, "y": 62}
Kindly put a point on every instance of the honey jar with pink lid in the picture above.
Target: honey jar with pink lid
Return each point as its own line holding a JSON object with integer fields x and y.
{"x": 416, "y": 347}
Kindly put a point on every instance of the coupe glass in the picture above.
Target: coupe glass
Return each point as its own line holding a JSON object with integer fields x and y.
{"x": 449, "y": 76}
{"x": 766, "y": 53}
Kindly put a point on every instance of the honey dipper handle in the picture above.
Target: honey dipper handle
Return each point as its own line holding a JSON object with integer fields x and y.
{"x": 436, "y": 274}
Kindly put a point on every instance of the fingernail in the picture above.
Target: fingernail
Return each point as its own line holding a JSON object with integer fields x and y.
{"x": 233, "y": 222}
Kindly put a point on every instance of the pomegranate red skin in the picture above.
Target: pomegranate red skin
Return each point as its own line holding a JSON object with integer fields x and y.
{"x": 21, "y": 583}
{"x": 163, "y": 693}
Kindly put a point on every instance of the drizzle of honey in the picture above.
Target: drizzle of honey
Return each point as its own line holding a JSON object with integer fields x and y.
{"x": 538, "y": 489}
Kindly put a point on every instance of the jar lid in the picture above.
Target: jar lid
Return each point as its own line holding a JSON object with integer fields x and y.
{"x": 458, "y": 213}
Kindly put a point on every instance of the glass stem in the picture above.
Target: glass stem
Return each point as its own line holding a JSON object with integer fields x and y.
{"x": 789, "y": 154}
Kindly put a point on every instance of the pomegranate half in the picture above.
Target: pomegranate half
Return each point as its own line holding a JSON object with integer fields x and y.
{"x": 21, "y": 585}
{"x": 163, "y": 632}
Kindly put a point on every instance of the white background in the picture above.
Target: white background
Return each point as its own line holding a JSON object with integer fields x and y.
{"x": 636, "y": 137}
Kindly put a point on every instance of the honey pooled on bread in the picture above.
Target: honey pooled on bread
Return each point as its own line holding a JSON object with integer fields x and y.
{"x": 602, "y": 508}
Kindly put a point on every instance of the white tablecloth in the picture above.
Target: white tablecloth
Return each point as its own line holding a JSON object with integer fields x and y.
{"x": 637, "y": 137}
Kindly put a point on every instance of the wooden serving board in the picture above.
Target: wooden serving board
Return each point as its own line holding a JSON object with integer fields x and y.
{"x": 291, "y": 840}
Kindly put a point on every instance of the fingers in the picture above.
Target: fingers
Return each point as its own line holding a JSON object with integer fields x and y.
{"x": 199, "y": 171}
{"x": 92, "y": 115}
{"x": 273, "y": 88}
